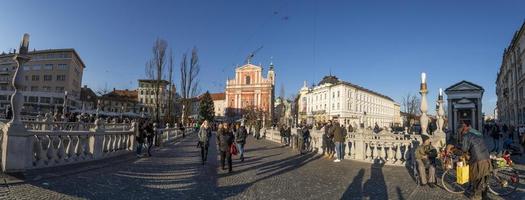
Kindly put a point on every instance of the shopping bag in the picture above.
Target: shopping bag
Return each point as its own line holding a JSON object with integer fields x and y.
{"x": 233, "y": 149}
{"x": 462, "y": 174}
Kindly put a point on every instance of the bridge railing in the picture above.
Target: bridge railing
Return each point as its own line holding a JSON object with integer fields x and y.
{"x": 364, "y": 145}
{"x": 48, "y": 148}
{"x": 169, "y": 134}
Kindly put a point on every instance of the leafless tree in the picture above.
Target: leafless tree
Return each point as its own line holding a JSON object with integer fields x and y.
{"x": 411, "y": 105}
{"x": 155, "y": 70}
{"x": 171, "y": 87}
{"x": 103, "y": 91}
{"x": 189, "y": 84}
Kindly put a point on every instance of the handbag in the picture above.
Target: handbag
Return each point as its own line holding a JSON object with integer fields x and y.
{"x": 233, "y": 149}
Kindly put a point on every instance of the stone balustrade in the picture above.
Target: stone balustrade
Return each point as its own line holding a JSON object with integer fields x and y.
{"x": 49, "y": 148}
{"x": 169, "y": 134}
{"x": 366, "y": 146}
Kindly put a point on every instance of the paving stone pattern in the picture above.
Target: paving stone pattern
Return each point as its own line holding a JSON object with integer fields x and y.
{"x": 269, "y": 171}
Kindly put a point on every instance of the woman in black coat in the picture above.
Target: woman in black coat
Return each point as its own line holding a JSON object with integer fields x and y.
{"x": 225, "y": 139}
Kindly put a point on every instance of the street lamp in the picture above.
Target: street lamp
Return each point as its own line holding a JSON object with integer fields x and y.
{"x": 64, "y": 107}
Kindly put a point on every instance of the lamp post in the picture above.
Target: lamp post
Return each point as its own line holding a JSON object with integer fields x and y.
{"x": 64, "y": 107}
{"x": 423, "y": 120}
{"x": 99, "y": 104}
{"x": 17, "y": 100}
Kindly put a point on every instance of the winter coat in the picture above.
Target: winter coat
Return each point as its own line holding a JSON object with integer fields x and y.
{"x": 474, "y": 144}
{"x": 240, "y": 135}
{"x": 225, "y": 139}
{"x": 204, "y": 135}
{"x": 339, "y": 134}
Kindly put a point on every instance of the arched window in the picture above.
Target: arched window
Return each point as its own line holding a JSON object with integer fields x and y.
{"x": 247, "y": 80}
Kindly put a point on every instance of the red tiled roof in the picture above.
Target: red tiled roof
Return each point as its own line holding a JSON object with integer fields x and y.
{"x": 218, "y": 96}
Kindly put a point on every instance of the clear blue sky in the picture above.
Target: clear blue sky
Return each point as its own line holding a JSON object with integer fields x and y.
{"x": 381, "y": 45}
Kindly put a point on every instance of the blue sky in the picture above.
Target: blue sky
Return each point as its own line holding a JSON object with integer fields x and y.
{"x": 381, "y": 45}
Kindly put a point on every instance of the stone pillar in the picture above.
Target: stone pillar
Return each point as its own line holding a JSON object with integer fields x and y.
{"x": 454, "y": 123}
{"x": 359, "y": 147}
{"x": 17, "y": 148}
{"x": 473, "y": 119}
{"x": 96, "y": 142}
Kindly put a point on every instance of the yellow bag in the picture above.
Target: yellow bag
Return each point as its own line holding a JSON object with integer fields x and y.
{"x": 462, "y": 174}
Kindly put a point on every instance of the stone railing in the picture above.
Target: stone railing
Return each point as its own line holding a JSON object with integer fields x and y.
{"x": 364, "y": 145}
{"x": 61, "y": 147}
{"x": 73, "y": 126}
{"x": 169, "y": 134}
{"x": 388, "y": 148}
{"x": 34, "y": 145}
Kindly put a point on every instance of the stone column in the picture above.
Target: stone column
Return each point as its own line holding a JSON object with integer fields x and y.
{"x": 96, "y": 142}
{"x": 17, "y": 143}
{"x": 473, "y": 118}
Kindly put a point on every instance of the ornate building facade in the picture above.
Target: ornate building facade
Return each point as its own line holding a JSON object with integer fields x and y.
{"x": 350, "y": 104}
{"x": 510, "y": 82}
{"x": 249, "y": 90}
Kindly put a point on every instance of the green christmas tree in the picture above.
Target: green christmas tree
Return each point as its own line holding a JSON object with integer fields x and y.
{"x": 206, "y": 108}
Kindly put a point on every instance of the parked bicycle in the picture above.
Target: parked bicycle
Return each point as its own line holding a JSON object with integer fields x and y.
{"x": 503, "y": 180}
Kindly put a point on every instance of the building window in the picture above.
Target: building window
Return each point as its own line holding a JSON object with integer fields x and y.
{"x": 37, "y": 67}
{"x": 35, "y": 77}
{"x": 27, "y": 78}
{"x": 34, "y": 88}
{"x": 62, "y": 66}
{"x": 337, "y": 93}
{"x": 61, "y": 77}
{"x": 33, "y": 99}
{"x": 46, "y": 88}
{"x": 247, "y": 80}
{"x": 26, "y": 68}
{"x": 48, "y": 66}
{"x": 48, "y": 77}
{"x": 45, "y": 100}
{"x": 59, "y": 89}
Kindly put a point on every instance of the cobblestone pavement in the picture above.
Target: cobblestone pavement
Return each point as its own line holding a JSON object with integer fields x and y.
{"x": 269, "y": 171}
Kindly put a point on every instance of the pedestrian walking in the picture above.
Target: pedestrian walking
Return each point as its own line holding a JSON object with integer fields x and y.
{"x": 225, "y": 139}
{"x": 496, "y": 135}
{"x": 258, "y": 126}
{"x": 141, "y": 136}
{"x": 339, "y": 140}
{"x": 181, "y": 128}
{"x": 149, "y": 136}
{"x": 326, "y": 140}
{"x": 204, "y": 140}
{"x": 240, "y": 139}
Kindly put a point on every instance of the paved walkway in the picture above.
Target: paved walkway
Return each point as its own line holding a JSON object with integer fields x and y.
{"x": 270, "y": 171}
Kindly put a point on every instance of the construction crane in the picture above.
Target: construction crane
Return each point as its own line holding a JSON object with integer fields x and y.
{"x": 252, "y": 54}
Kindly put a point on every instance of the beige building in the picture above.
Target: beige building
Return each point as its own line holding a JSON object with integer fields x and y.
{"x": 510, "y": 82}
{"x": 119, "y": 102}
{"x": 146, "y": 96}
{"x": 46, "y": 77}
{"x": 350, "y": 104}
{"x": 219, "y": 104}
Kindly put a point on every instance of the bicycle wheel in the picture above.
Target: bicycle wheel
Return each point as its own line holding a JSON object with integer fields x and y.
{"x": 449, "y": 182}
{"x": 503, "y": 181}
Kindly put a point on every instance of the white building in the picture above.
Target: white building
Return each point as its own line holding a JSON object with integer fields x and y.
{"x": 347, "y": 103}
{"x": 219, "y": 104}
{"x": 146, "y": 96}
